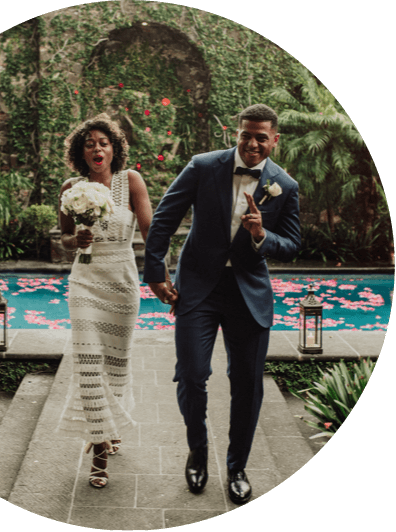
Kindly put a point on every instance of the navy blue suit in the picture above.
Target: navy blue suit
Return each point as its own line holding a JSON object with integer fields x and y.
{"x": 239, "y": 298}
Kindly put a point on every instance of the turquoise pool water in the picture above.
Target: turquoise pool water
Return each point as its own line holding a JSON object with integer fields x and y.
{"x": 353, "y": 302}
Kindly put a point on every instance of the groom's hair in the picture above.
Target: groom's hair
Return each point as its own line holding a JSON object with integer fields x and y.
{"x": 259, "y": 113}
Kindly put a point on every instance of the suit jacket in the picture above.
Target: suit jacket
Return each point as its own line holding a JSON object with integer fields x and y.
{"x": 206, "y": 185}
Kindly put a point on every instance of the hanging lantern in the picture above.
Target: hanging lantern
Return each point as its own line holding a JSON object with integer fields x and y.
{"x": 3, "y": 316}
{"x": 311, "y": 311}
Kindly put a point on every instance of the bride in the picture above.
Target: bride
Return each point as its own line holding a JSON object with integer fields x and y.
{"x": 104, "y": 294}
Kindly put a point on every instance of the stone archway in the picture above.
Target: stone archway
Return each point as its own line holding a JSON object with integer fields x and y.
{"x": 173, "y": 46}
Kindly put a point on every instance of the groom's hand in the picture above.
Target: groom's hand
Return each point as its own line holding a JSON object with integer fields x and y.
{"x": 165, "y": 293}
{"x": 252, "y": 222}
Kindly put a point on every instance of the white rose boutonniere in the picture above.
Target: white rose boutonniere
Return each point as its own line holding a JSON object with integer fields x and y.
{"x": 271, "y": 191}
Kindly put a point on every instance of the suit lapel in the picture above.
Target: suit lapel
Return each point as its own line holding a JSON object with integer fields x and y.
{"x": 223, "y": 175}
{"x": 268, "y": 173}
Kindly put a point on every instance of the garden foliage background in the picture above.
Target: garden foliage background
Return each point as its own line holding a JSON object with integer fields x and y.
{"x": 175, "y": 78}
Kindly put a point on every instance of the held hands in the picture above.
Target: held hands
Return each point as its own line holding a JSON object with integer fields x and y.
{"x": 252, "y": 222}
{"x": 166, "y": 293}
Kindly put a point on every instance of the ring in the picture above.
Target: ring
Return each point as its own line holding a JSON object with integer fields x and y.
{"x": 250, "y": 215}
{"x": 166, "y": 301}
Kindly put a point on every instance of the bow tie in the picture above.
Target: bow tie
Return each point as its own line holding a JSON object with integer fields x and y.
{"x": 254, "y": 173}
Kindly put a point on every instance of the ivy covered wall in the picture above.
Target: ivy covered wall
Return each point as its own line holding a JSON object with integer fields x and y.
{"x": 173, "y": 76}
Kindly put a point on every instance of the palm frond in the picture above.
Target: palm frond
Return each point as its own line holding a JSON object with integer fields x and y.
{"x": 341, "y": 160}
{"x": 349, "y": 189}
{"x": 282, "y": 96}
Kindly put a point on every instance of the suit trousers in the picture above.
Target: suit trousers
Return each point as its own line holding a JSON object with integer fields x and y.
{"x": 246, "y": 344}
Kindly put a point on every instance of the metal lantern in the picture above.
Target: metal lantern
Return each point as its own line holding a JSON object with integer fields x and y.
{"x": 311, "y": 311}
{"x": 3, "y": 323}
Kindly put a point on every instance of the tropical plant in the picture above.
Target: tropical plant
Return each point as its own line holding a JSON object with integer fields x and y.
{"x": 12, "y": 186}
{"x": 345, "y": 244}
{"x": 332, "y": 398}
{"x": 13, "y": 241}
{"x": 318, "y": 141}
{"x": 14, "y": 193}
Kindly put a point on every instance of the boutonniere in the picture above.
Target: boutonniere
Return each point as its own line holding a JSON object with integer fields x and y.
{"x": 271, "y": 191}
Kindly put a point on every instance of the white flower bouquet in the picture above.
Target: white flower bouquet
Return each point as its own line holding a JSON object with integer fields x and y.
{"x": 87, "y": 202}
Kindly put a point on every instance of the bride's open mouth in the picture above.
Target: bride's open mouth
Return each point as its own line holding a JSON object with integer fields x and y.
{"x": 98, "y": 160}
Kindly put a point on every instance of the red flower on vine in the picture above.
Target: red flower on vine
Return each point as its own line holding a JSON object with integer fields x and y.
{"x": 327, "y": 425}
{"x": 120, "y": 85}
{"x": 188, "y": 90}
{"x": 224, "y": 127}
{"x": 148, "y": 129}
{"x": 138, "y": 166}
{"x": 165, "y": 101}
{"x": 160, "y": 157}
{"x": 146, "y": 112}
{"x": 126, "y": 109}
{"x": 169, "y": 132}
{"x": 200, "y": 115}
{"x": 76, "y": 91}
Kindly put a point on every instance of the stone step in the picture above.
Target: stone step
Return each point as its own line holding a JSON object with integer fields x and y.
{"x": 18, "y": 425}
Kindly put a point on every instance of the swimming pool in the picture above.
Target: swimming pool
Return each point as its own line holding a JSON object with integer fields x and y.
{"x": 352, "y": 302}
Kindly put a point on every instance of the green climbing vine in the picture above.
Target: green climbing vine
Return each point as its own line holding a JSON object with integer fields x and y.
{"x": 51, "y": 80}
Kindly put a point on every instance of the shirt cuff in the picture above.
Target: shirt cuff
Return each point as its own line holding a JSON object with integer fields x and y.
{"x": 257, "y": 245}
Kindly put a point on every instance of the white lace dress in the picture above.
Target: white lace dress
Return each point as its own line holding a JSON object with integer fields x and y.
{"x": 103, "y": 305}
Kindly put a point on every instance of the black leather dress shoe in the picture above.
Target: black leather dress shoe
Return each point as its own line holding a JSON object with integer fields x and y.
{"x": 239, "y": 488}
{"x": 197, "y": 469}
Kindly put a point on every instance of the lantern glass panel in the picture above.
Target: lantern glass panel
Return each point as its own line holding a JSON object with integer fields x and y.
{"x": 301, "y": 327}
{"x": 3, "y": 329}
{"x": 312, "y": 332}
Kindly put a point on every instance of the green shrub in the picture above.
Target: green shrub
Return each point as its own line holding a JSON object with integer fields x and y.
{"x": 13, "y": 242}
{"x": 12, "y": 373}
{"x": 332, "y": 398}
{"x": 294, "y": 376}
{"x": 14, "y": 189}
{"x": 38, "y": 220}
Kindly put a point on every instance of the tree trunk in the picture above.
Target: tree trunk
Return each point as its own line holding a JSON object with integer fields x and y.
{"x": 36, "y": 194}
{"x": 330, "y": 217}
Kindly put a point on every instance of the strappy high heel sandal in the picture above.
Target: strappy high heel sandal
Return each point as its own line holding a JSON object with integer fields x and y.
{"x": 116, "y": 444}
{"x": 95, "y": 480}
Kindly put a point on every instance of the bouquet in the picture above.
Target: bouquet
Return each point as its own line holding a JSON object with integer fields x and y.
{"x": 86, "y": 203}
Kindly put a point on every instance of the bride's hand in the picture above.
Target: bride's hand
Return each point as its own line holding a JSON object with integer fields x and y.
{"x": 84, "y": 238}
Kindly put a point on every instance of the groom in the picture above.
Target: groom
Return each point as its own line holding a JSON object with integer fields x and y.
{"x": 245, "y": 208}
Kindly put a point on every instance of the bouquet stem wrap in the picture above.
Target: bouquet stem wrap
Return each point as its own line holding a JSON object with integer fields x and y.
{"x": 87, "y": 202}
{"x": 85, "y": 253}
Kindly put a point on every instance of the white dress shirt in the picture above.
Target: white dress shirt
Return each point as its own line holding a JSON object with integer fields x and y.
{"x": 241, "y": 184}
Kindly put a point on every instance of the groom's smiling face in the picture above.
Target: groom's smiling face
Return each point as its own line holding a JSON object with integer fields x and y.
{"x": 255, "y": 141}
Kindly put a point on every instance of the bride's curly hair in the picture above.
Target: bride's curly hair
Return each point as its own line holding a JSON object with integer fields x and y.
{"x": 74, "y": 144}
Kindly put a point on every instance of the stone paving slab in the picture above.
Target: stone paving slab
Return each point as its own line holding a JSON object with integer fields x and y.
{"x": 156, "y": 349}
{"x": 36, "y": 345}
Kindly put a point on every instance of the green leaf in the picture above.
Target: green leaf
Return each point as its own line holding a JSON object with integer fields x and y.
{"x": 321, "y": 434}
